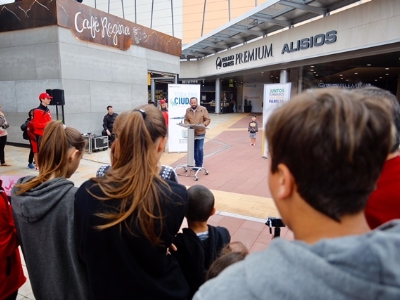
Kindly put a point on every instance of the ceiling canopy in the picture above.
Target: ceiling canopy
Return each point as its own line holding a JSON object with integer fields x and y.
{"x": 269, "y": 17}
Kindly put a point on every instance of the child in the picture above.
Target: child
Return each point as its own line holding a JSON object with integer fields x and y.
{"x": 253, "y": 129}
{"x": 43, "y": 208}
{"x": 230, "y": 254}
{"x": 25, "y": 135}
{"x": 199, "y": 245}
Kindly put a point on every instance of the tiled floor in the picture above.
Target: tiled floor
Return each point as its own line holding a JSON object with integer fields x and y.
{"x": 237, "y": 177}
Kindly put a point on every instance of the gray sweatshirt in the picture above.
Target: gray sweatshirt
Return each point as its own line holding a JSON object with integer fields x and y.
{"x": 354, "y": 267}
{"x": 44, "y": 217}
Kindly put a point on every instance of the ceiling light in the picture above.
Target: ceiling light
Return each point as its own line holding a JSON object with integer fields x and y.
{"x": 386, "y": 68}
{"x": 380, "y": 77}
{"x": 386, "y": 74}
{"x": 376, "y": 79}
{"x": 313, "y": 66}
{"x": 340, "y": 75}
{"x": 355, "y": 73}
{"x": 368, "y": 65}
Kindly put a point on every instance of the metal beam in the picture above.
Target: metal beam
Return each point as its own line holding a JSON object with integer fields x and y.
{"x": 313, "y": 9}
{"x": 243, "y": 29}
{"x": 265, "y": 18}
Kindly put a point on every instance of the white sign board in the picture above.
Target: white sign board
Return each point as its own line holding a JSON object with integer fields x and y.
{"x": 178, "y": 101}
{"x": 274, "y": 96}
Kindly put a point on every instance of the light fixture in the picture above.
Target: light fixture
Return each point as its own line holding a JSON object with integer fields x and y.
{"x": 368, "y": 65}
{"x": 355, "y": 73}
{"x": 386, "y": 74}
{"x": 386, "y": 68}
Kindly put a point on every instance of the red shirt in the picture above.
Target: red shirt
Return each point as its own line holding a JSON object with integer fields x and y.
{"x": 41, "y": 116}
{"x": 384, "y": 203}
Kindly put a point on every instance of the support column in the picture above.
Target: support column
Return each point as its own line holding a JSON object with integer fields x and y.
{"x": 300, "y": 81}
{"x": 153, "y": 91}
{"x": 284, "y": 77}
{"x": 217, "y": 96}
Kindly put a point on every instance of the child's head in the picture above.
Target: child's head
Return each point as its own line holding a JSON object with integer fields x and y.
{"x": 201, "y": 204}
{"x": 235, "y": 247}
{"x": 230, "y": 254}
{"x": 253, "y": 117}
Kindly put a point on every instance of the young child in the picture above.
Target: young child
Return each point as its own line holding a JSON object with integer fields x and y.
{"x": 253, "y": 129}
{"x": 199, "y": 245}
{"x": 43, "y": 209}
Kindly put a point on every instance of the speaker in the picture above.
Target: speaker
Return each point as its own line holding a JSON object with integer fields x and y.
{"x": 58, "y": 97}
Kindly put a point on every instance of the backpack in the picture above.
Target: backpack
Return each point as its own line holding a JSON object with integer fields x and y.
{"x": 24, "y": 128}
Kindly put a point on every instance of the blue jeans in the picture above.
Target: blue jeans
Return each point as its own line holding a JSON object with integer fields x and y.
{"x": 198, "y": 150}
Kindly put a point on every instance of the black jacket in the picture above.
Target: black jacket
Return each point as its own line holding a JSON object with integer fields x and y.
{"x": 121, "y": 265}
{"x": 196, "y": 256}
{"x": 108, "y": 121}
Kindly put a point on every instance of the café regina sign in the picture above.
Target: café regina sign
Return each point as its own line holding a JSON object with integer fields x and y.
{"x": 87, "y": 24}
{"x": 263, "y": 52}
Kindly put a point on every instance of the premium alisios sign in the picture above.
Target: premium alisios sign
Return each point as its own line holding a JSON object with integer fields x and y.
{"x": 265, "y": 51}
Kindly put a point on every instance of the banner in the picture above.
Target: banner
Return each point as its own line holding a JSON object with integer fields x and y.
{"x": 274, "y": 96}
{"x": 178, "y": 101}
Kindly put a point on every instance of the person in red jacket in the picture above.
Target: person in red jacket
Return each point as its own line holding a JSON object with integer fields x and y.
{"x": 11, "y": 274}
{"x": 384, "y": 202}
{"x": 41, "y": 116}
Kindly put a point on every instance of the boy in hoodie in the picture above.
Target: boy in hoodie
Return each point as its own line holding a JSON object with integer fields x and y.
{"x": 199, "y": 245}
{"x": 327, "y": 149}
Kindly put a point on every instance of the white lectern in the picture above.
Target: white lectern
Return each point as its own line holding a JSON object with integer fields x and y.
{"x": 190, "y": 153}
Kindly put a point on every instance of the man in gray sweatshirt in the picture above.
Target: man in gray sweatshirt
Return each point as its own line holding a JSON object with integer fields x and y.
{"x": 327, "y": 149}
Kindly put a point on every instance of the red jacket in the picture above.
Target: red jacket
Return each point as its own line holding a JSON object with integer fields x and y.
{"x": 41, "y": 116}
{"x": 11, "y": 274}
{"x": 384, "y": 203}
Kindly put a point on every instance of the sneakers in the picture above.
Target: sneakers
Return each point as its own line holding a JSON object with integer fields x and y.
{"x": 252, "y": 144}
{"x": 31, "y": 166}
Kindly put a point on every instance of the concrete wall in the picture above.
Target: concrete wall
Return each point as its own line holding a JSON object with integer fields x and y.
{"x": 365, "y": 26}
{"x": 92, "y": 76}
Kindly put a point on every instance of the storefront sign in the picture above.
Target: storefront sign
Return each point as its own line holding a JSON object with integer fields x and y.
{"x": 254, "y": 54}
{"x": 87, "y": 24}
{"x": 344, "y": 85}
{"x": 314, "y": 41}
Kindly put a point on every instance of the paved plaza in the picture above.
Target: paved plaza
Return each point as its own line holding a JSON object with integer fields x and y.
{"x": 237, "y": 175}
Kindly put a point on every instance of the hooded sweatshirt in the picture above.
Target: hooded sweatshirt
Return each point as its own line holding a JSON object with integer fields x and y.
{"x": 44, "y": 218}
{"x": 354, "y": 267}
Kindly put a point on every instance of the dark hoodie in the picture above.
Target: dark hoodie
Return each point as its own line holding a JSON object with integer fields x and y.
{"x": 44, "y": 218}
{"x": 195, "y": 256}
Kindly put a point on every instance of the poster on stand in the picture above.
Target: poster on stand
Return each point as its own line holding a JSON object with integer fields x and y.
{"x": 274, "y": 96}
{"x": 178, "y": 101}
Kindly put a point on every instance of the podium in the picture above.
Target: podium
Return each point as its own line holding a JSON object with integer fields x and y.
{"x": 190, "y": 165}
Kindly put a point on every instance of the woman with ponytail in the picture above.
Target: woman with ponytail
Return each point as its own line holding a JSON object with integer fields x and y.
{"x": 125, "y": 221}
{"x": 43, "y": 208}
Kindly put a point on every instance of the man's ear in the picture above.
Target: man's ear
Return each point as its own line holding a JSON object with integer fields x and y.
{"x": 286, "y": 182}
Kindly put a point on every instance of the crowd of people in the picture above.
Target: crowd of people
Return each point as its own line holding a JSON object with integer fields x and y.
{"x": 333, "y": 172}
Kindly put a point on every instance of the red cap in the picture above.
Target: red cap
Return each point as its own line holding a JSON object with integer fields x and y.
{"x": 162, "y": 101}
{"x": 44, "y": 96}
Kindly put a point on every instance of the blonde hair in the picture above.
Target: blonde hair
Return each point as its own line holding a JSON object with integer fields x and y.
{"x": 52, "y": 157}
{"x": 134, "y": 177}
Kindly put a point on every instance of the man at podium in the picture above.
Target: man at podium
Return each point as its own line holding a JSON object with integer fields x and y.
{"x": 197, "y": 115}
